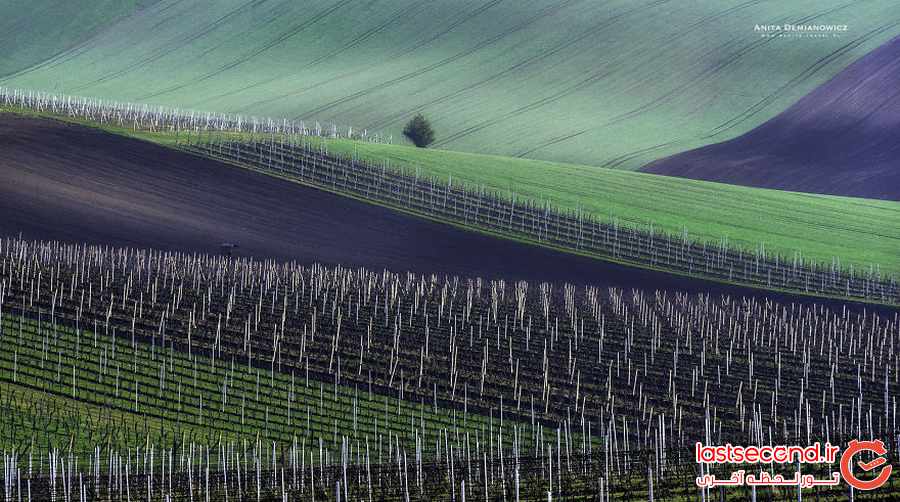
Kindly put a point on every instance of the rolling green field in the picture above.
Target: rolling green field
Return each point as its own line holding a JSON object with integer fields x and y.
{"x": 38, "y": 30}
{"x": 614, "y": 84}
{"x": 861, "y": 232}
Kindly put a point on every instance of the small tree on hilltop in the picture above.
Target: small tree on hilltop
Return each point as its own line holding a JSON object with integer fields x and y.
{"x": 419, "y": 131}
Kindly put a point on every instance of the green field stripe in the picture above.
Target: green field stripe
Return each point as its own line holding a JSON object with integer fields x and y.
{"x": 157, "y": 407}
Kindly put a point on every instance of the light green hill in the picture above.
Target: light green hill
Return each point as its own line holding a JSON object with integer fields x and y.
{"x": 824, "y": 228}
{"x": 612, "y": 83}
{"x": 36, "y": 31}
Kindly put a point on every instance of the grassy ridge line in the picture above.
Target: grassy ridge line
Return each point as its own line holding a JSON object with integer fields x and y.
{"x": 858, "y": 231}
{"x": 525, "y": 240}
{"x": 855, "y": 231}
{"x": 617, "y": 83}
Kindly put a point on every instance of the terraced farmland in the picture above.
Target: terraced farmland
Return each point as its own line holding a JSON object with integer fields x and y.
{"x": 615, "y": 84}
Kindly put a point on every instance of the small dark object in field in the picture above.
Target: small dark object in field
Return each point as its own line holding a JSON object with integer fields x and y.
{"x": 419, "y": 131}
{"x": 227, "y": 247}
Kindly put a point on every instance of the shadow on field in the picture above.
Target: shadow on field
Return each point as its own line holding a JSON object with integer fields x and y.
{"x": 72, "y": 183}
{"x": 843, "y": 138}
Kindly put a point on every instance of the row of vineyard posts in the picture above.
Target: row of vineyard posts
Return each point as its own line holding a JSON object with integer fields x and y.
{"x": 642, "y": 376}
{"x": 284, "y": 146}
{"x": 541, "y": 222}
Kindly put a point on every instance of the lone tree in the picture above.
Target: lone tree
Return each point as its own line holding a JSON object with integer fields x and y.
{"x": 419, "y": 131}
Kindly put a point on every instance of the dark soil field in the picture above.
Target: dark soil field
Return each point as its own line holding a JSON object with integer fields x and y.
{"x": 72, "y": 183}
{"x": 841, "y": 139}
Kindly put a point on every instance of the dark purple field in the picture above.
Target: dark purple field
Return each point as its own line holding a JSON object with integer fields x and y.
{"x": 843, "y": 139}
{"x": 76, "y": 184}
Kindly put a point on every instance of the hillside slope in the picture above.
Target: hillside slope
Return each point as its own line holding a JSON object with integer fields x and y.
{"x": 616, "y": 84}
{"x": 77, "y": 184}
{"x": 823, "y": 228}
{"x": 72, "y": 183}
{"x": 843, "y": 138}
{"x": 36, "y": 31}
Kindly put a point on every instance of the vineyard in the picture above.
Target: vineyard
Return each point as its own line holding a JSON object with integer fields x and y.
{"x": 581, "y": 233}
{"x": 133, "y": 373}
{"x": 540, "y": 301}
{"x": 162, "y": 118}
{"x": 291, "y": 149}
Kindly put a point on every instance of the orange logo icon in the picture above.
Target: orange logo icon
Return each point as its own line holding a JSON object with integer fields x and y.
{"x": 876, "y": 446}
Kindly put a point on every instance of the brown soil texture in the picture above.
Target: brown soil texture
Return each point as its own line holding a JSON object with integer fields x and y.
{"x": 72, "y": 183}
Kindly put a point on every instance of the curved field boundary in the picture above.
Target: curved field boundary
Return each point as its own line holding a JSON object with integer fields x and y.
{"x": 618, "y": 83}
{"x": 825, "y": 229}
{"x": 568, "y": 230}
{"x": 840, "y": 139}
{"x": 540, "y": 223}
